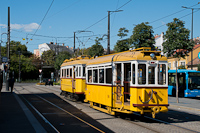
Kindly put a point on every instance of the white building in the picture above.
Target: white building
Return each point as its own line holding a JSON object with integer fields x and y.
{"x": 51, "y": 46}
{"x": 159, "y": 39}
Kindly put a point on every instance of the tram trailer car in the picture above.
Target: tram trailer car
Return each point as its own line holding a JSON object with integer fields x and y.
{"x": 73, "y": 78}
{"x": 127, "y": 82}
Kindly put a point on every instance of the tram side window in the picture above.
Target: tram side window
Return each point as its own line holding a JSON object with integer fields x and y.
{"x": 161, "y": 74}
{"x": 84, "y": 71}
{"x": 70, "y": 73}
{"x": 109, "y": 75}
{"x": 90, "y": 76}
{"x": 79, "y": 71}
{"x": 151, "y": 74}
{"x": 133, "y": 71}
{"x": 64, "y": 74}
{"x": 101, "y": 75}
{"x": 95, "y": 76}
{"x": 141, "y": 74}
{"x": 76, "y": 71}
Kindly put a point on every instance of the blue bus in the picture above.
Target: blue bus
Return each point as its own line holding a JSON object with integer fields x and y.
{"x": 188, "y": 83}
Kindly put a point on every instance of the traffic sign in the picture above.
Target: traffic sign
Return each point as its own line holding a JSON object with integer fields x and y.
{"x": 4, "y": 59}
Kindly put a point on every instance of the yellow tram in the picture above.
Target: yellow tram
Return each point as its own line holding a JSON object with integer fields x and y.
{"x": 73, "y": 77}
{"x": 127, "y": 82}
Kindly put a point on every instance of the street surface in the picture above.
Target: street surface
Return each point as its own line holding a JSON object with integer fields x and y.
{"x": 57, "y": 114}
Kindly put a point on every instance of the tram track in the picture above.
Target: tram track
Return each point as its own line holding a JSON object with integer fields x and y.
{"x": 138, "y": 122}
{"x": 56, "y": 106}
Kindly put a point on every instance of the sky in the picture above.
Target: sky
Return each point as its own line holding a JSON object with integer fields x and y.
{"x": 44, "y": 21}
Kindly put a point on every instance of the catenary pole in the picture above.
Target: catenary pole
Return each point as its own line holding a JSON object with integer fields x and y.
{"x": 8, "y": 51}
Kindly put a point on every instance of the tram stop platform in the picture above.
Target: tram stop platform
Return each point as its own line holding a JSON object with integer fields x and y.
{"x": 16, "y": 117}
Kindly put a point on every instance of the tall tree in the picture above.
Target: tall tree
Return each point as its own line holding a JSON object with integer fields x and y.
{"x": 97, "y": 48}
{"x": 177, "y": 43}
{"x": 60, "y": 58}
{"x": 48, "y": 57}
{"x": 143, "y": 36}
{"x": 123, "y": 44}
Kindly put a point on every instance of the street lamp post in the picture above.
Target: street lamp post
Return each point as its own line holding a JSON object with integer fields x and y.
{"x": 108, "y": 47}
{"x": 191, "y": 33}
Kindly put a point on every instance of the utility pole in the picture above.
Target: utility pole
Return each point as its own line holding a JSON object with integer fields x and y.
{"x": 19, "y": 66}
{"x": 191, "y": 32}
{"x": 8, "y": 51}
{"x": 74, "y": 42}
{"x": 108, "y": 47}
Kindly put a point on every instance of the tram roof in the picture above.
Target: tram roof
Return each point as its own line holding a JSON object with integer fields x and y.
{"x": 76, "y": 61}
{"x": 136, "y": 54}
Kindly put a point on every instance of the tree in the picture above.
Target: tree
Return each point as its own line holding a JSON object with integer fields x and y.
{"x": 142, "y": 36}
{"x": 20, "y": 61}
{"x": 177, "y": 43}
{"x": 48, "y": 57}
{"x": 97, "y": 48}
{"x": 60, "y": 58}
{"x": 122, "y": 45}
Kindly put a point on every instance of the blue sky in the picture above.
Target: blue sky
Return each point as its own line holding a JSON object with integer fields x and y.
{"x": 68, "y": 16}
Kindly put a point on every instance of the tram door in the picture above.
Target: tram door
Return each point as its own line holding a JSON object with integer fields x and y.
{"x": 74, "y": 79}
{"x": 118, "y": 82}
{"x": 127, "y": 79}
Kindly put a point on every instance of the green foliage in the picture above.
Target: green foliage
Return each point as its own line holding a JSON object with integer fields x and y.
{"x": 48, "y": 57}
{"x": 143, "y": 36}
{"x": 60, "y": 58}
{"x": 96, "y": 49}
{"x": 20, "y": 55}
{"x": 122, "y": 45}
{"x": 177, "y": 42}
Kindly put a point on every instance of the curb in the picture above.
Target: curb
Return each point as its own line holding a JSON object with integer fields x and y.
{"x": 188, "y": 108}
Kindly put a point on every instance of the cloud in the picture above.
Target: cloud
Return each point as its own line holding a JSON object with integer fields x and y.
{"x": 26, "y": 27}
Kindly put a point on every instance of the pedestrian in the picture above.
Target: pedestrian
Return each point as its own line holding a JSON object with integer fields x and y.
{"x": 1, "y": 80}
{"x": 11, "y": 82}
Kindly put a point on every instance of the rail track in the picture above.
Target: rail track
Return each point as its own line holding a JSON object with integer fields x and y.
{"x": 145, "y": 122}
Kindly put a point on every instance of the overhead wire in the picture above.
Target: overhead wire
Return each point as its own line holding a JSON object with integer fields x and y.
{"x": 43, "y": 19}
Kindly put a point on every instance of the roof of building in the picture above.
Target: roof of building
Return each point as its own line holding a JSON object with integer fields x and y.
{"x": 59, "y": 48}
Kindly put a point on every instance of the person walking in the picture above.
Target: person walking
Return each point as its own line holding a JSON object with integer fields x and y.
{"x": 11, "y": 82}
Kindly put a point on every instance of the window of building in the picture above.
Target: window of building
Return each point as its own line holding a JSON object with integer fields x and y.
{"x": 169, "y": 65}
{"x": 141, "y": 74}
{"x": 182, "y": 63}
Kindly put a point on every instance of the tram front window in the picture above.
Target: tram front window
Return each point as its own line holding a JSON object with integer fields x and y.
{"x": 141, "y": 74}
{"x": 194, "y": 81}
{"x": 151, "y": 75}
{"x": 161, "y": 74}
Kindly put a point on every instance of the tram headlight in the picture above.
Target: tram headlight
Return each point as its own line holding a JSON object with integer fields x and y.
{"x": 152, "y": 55}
